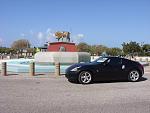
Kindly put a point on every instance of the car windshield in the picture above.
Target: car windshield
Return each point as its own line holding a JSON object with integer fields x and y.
{"x": 101, "y": 59}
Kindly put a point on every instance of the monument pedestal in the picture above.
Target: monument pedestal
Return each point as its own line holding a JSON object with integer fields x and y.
{"x": 62, "y": 46}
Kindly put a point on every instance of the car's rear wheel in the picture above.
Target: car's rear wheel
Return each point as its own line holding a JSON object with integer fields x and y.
{"x": 134, "y": 76}
{"x": 85, "y": 77}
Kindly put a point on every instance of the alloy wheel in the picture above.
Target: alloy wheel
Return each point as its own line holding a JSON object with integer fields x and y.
{"x": 85, "y": 77}
{"x": 134, "y": 76}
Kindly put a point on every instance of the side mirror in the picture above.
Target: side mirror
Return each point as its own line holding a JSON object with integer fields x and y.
{"x": 106, "y": 62}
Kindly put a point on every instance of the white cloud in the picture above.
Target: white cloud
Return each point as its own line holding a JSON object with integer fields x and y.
{"x": 77, "y": 38}
{"x": 41, "y": 39}
{"x": 40, "y": 35}
{"x": 23, "y": 35}
{"x": 48, "y": 30}
{"x": 80, "y": 35}
{"x": 31, "y": 32}
{"x": 49, "y": 34}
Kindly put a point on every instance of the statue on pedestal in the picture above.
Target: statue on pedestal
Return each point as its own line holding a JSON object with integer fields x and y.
{"x": 63, "y": 35}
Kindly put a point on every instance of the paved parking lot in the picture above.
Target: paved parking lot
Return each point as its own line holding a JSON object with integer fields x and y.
{"x": 50, "y": 94}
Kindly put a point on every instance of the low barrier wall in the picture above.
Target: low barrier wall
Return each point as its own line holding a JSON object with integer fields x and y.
{"x": 31, "y": 69}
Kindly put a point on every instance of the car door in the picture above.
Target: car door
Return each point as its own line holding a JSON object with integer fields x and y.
{"x": 113, "y": 68}
{"x": 98, "y": 69}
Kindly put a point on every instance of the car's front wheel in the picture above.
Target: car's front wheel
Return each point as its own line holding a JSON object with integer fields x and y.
{"x": 85, "y": 77}
{"x": 134, "y": 76}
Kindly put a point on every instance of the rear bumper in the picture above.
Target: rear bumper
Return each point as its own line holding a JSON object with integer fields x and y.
{"x": 142, "y": 71}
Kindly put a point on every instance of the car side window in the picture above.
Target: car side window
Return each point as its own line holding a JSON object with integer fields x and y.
{"x": 125, "y": 62}
{"x": 115, "y": 61}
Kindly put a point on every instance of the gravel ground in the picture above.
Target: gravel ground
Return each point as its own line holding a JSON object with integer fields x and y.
{"x": 49, "y": 94}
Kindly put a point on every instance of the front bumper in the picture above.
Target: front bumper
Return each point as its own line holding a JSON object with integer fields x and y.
{"x": 72, "y": 75}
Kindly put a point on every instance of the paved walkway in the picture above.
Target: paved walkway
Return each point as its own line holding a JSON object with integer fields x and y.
{"x": 27, "y": 75}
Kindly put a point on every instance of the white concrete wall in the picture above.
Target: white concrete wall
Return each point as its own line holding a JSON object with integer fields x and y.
{"x": 62, "y": 57}
{"x": 144, "y": 59}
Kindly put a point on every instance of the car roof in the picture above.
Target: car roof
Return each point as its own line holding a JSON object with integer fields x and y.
{"x": 112, "y": 57}
{"x": 116, "y": 57}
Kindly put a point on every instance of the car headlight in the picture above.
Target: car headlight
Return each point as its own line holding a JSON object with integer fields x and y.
{"x": 75, "y": 69}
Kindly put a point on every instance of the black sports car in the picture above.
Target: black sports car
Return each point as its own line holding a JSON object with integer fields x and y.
{"x": 105, "y": 68}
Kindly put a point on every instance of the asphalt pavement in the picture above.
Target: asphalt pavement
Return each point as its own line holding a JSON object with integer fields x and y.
{"x": 50, "y": 94}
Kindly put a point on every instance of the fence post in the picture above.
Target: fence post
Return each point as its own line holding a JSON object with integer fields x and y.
{"x": 4, "y": 69}
{"x": 2, "y": 57}
{"x": 140, "y": 59}
{"x": 135, "y": 59}
{"x": 147, "y": 60}
{"x": 32, "y": 69}
{"x": 57, "y": 68}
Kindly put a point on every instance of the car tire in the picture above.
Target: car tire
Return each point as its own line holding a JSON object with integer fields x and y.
{"x": 85, "y": 77}
{"x": 133, "y": 76}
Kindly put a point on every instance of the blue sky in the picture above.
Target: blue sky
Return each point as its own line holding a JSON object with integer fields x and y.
{"x": 107, "y": 22}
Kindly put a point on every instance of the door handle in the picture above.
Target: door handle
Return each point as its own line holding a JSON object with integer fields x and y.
{"x": 123, "y": 66}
